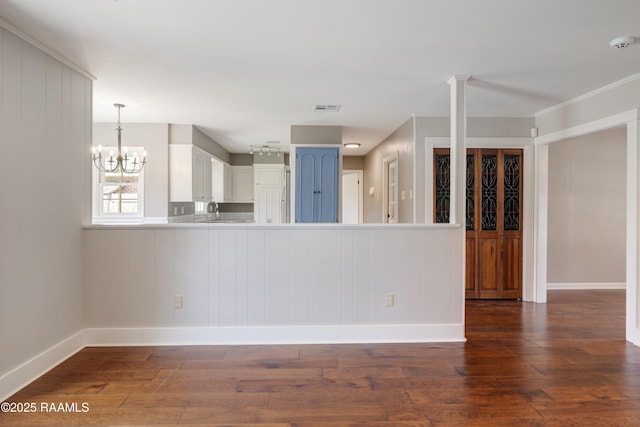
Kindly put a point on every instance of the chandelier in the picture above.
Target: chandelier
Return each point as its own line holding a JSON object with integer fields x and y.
{"x": 120, "y": 161}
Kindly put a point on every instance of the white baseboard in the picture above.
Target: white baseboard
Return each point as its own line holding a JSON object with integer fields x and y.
{"x": 343, "y": 334}
{"x": 24, "y": 374}
{"x": 598, "y": 285}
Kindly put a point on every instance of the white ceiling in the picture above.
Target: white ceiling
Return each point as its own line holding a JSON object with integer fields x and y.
{"x": 244, "y": 71}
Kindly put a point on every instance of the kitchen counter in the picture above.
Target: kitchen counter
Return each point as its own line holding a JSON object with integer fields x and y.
{"x": 210, "y": 218}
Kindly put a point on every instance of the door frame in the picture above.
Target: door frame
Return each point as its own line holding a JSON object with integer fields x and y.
{"x": 385, "y": 184}
{"x": 528, "y": 154}
{"x": 631, "y": 120}
{"x": 360, "y": 174}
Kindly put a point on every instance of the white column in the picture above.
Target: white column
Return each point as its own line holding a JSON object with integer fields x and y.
{"x": 458, "y": 153}
{"x": 540, "y": 223}
{"x": 633, "y": 226}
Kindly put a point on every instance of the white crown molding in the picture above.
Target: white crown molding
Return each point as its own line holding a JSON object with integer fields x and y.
{"x": 38, "y": 44}
{"x": 588, "y": 95}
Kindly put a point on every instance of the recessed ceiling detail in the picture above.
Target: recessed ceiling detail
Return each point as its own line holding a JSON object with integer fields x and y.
{"x": 326, "y": 108}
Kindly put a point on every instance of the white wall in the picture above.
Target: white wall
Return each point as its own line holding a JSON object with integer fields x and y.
{"x": 288, "y": 276}
{"x": 45, "y": 133}
{"x": 401, "y": 141}
{"x": 586, "y": 216}
{"x": 154, "y": 137}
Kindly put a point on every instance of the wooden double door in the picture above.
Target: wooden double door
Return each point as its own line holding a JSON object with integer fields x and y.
{"x": 493, "y": 219}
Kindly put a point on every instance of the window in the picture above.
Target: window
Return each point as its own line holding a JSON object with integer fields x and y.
{"x": 117, "y": 195}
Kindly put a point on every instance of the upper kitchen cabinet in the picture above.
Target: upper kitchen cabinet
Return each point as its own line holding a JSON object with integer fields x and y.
{"x": 221, "y": 181}
{"x": 268, "y": 175}
{"x": 316, "y": 184}
{"x": 190, "y": 174}
{"x": 232, "y": 184}
{"x": 242, "y": 184}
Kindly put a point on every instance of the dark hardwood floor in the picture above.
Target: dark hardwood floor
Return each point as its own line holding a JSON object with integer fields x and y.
{"x": 565, "y": 363}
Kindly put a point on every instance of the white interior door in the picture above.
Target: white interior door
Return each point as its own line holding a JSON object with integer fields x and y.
{"x": 351, "y": 197}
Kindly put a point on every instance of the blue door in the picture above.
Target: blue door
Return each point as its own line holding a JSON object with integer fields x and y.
{"x": 317, "y": 184}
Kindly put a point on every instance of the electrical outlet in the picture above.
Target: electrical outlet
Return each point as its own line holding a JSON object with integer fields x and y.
{"x": 175, "y": 210}
{"x": 389, "y": 300}
{"x": 178, "y": 301}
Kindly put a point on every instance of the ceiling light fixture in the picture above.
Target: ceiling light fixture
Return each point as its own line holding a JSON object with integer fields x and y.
{"x": 260, "y": 149}
{"x": 351, "y": 145}
{"x": 621, "y": 42}
{"x": 120, "y": 161}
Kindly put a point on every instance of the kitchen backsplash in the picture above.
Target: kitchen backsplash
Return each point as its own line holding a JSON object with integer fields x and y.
{"x": 235, "y": 207}
{"x": 181, "y": 208}
{"x": 178, "y": 209}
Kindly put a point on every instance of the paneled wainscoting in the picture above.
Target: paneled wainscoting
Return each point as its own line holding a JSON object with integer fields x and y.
{"x": 274, "y": 284}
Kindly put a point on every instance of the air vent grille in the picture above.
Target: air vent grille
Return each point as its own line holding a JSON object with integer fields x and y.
{"x": 326, "y": 108}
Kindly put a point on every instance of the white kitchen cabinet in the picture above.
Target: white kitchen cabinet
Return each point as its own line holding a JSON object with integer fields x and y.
{"x": 232, "y": 184}
{"x": 220, "y": 181}
{"x": 190, "y": 172}
{"x": 242, "y": 184}
{"x": 267, "y": 206}
{"x": 268, "y": 193}
{"x": 266, "y": 175}
{"x": 228, "y": 183}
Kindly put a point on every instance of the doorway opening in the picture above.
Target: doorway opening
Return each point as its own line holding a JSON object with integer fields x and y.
{"x": 352, "y": 196}
{"x": 390, "y": 189}
{"x": 586, "y": 225}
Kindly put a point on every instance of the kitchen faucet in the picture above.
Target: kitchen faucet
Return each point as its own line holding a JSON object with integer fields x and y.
{"x": 213, "y": 208}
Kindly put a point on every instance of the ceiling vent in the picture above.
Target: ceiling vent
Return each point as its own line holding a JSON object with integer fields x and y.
{"x": 326, "y": 108}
